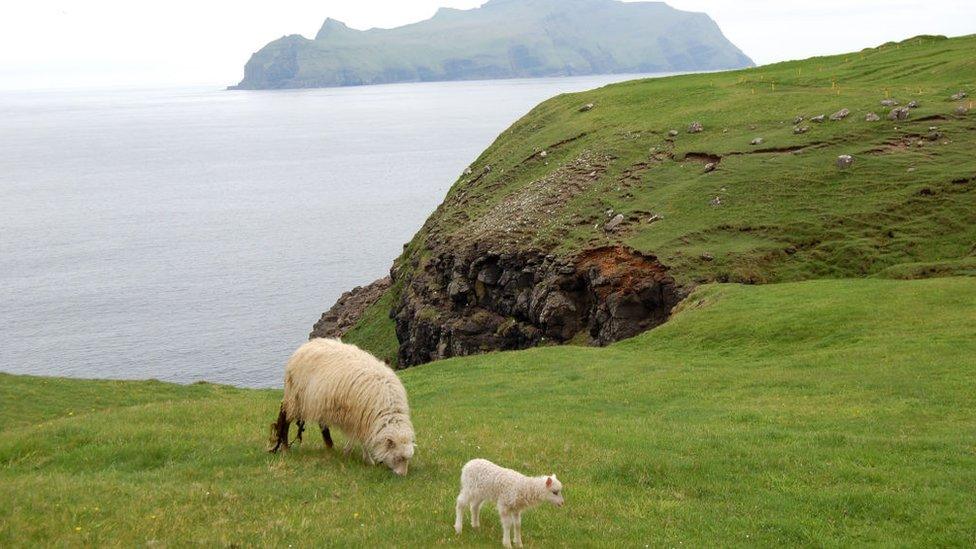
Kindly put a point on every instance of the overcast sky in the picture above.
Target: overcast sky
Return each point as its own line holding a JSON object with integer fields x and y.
{"x": 79, "y": 43}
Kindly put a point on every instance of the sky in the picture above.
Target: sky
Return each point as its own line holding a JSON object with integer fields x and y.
{"x": 126, "y": 43}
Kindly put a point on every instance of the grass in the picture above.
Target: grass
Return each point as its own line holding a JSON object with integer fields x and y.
{"x": 824, "y": 413}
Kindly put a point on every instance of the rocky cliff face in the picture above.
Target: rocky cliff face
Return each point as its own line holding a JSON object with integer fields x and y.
{"x": 343, "y": 316}
{"x": 477, "y": 300}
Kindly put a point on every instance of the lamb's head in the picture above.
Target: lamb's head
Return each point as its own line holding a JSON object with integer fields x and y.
{"x": 394, "y": 447}
{"x": 553, "y": 491}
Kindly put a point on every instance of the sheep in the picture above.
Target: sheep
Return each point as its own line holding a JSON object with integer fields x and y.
{"x": 511, "y": 491}
{"x": 340, "y": 385}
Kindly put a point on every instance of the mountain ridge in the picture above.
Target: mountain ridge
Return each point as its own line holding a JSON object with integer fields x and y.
{"x": 500, "y": 39}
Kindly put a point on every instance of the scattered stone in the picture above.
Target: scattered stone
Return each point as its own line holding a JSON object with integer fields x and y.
{"x": 673, "y": 133}
{"x": 790, "y": 250}
{"x": 912, "y": 104}
{"x": 609, "y": 213}
{"x": 543, "y": 154}
{"x": 899, "y": 114}
{"x": 801, "y": 129}
{"x": 871, "y": 117}
{"x": 912, "y": 169}
{"x": 934, "y": 135}
{"x": 889, "y": 103}
{"x": 468, "y": 171}
{"x": 696, "y": 127}
{"x": 845, "y": 161}
{"x": 797, "y": 120}
{"x": 717, "y": 201}
{"x": 752, "y": 127}
{"x": 757, "y": 141}
{"x": 819, "y": 119}
{"x": 488, "y": 168}
{"x": 840, "y": 115}
{"x": 725, "y": 130}
{"x": 710, "y": 167}
{"x": 707, "y": 256}
{"x": 961, "y": 109}
{"x": 614, "y": 223}
{"x": 959, "y": 96}
{"x": 587, "y": 107}
{"x": 655, "y": 218}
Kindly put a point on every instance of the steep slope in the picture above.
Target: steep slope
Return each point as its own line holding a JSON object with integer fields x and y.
{"x": 587, "y": 224}
{"x": 502, "y": 39}
{"x": 823, "y": 413}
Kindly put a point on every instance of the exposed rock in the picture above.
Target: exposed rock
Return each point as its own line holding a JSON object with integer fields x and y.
{"x": 673, "y": 133}
{"x": 934, "y": 135}
{"x": 607, "y": 293}
{"x": 840, "y": 115}
{"x": 614, "y": 223}
{"x": 468, "y": 171}
{"x": 710, "y": 167}
{"x": 962, "y": 109}
{"x": 347, "y": 311}
{"x": 717, "y": 201}
{"x": 797, "y": 120}
{"x": 912, "y": 104}
{"x": 959, "y": 96}
{"x": 889, "y": 103}
{"x": 757, "y": 141}
{"x": 819, "y": 118}
{"x": 800, "y": 130}
{"x": 543, "y": 154}
{"x": 655, "y": 218}
{"x": 696, "y": 127}
{"x": 587, "y": 107}
{"x": 871, "y": 117}
{"x": 845, "y": 161}
{"x": 901, "y": 113}
{"x": 707, "y": 256}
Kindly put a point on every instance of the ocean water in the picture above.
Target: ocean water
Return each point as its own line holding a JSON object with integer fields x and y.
{"x": 197, "y": 234}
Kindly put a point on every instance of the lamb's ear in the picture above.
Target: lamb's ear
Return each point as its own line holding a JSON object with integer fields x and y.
{"x": 548, "y": 482}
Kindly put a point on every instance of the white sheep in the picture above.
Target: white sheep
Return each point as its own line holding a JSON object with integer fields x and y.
{"x": 511, "y": 491}
{"x": 340, "y": 385}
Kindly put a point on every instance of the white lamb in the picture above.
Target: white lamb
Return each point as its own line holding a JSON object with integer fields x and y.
{"x": 512, "y": 492}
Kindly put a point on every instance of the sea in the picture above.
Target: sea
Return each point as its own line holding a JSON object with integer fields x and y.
{"x": 197, "y": 234}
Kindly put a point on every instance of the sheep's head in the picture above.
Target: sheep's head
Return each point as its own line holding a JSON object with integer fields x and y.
{"x": 395, "y": 449}
{"x": 554, "y": 491}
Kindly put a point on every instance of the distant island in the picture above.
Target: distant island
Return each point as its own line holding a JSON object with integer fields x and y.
{"x": 501, "y": 39}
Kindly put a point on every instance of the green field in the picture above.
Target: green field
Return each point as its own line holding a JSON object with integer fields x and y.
{"x": 822, "y": 413}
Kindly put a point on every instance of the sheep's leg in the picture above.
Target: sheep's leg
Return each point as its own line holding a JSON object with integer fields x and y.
{"x": 476, "y": 514}
{"x": 506, "y": 530}
{"x": 301, "y": 429}
{"x": 459, "y": 513}
{"x": 281, "y": 431}
{"x": 517, "y": 524}
{"x": 326, "y": 436}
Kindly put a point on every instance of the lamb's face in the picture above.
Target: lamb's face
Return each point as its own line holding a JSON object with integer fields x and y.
{"x": 554, "y": 491}
{"x": 396, "y": 453}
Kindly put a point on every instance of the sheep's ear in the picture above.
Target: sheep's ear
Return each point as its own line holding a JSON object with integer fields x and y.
{"x": 548, "y": 482}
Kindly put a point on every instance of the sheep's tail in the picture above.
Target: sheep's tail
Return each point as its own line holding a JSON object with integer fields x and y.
{"x": 279, "y": 431}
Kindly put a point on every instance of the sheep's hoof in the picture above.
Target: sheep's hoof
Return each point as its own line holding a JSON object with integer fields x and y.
{"x": 457, "y": 529}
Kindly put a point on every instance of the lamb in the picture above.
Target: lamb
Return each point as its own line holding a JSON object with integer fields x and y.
{"x": 340, "y": 385}
{"x": 512, "y": 492}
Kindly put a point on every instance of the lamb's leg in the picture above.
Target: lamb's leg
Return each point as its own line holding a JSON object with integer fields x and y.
{"x": 281, "y": 431}
{"x": 459, "y": 513}
{"x": 326, "y": 436}
{"x": 506, "y": 527}
{"x": 517, "y": 522}
{"x": 476, "y": 514}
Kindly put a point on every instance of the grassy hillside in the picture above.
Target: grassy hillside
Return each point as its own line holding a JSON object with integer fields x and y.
{"x": 812, "y": 413}
{"x": 774, "y": 212}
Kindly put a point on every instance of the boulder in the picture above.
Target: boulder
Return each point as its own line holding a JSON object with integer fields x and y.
{"x": 901, "y": 113}
{"x": 819, "y": 118}
{"x": 889, "y": 103}
{"x": 840, "y": 115}
{"x": 871, "y": 117}
{"x": 959, "y": 96}
{"x": 962, "y": 109}
{"x": 845, "y": 161}
{"x": 797, "y": 120}
{"x": 673, "y": 133}
{"x": 587, "y": 107}
{"x": 912, "y": 104}
{"x": 757, "y": 141}
{"x": 801, "y": 129}
{"x": 614, "y": 223}
{"x": 696, "y": 127}
{"x": 710, "y": 167}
